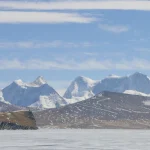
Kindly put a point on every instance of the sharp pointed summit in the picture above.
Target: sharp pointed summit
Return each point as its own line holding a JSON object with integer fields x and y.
{"x": 138, "y": 74}
{"x": 80, "y": 89}
{"x": 40, "y": 81}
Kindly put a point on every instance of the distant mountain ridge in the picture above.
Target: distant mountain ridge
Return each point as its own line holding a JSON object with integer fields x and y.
{"x": 135, "y": 82}
{"x": 105, "y": 110}
{"x": 35, "y": 94}
{"x": 41, "y": 95}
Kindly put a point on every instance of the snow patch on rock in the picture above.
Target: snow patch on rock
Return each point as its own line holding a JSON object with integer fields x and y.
{"x": 132, "y": 92}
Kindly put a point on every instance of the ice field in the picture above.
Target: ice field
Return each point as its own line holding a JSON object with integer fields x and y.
{"x": 45, "y": 139}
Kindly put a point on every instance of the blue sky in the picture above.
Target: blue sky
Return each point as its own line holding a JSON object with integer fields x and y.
{"x": 64, "y": 39}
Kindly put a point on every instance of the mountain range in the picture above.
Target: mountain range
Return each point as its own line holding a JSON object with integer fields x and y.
{"x": 35, "y": 94}
{"x": 114, "y": 102}
{"x": 83, "y": 88}
{"x": 39, "y": 94}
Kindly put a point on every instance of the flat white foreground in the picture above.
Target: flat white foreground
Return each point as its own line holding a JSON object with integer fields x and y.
{"x": 46, "y": 139}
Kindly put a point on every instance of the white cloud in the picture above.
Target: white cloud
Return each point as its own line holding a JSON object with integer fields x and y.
{"x": 78, "y": 4}
{"x": 114, "y": 28}
{"x": 43, "y": 17}
{"x": 90, "y": 64}
{"x": 46, "y": 44}
{"x": 90, "y": 54}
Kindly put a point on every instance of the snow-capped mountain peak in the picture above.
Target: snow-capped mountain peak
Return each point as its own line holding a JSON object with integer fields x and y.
{"x": 37, "y": 92}
{"x": 19, "y": 82}
{"x": 113, "y": 76}
{"x": 80, "y": 89}
{"x": 138, "y": 74}
{"x": 40, "y": 81}
{"x": 85, "y": 80}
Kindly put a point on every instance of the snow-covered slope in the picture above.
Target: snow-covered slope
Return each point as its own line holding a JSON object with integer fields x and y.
{"x": 132, "y": 92}
{"x": 80, "y": 89}
{"x": 137, "y": 82}
{"x": 51, "y": 101}
{"x": 37, "y": 93}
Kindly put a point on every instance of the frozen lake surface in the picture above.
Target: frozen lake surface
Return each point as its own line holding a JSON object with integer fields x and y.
{"x": 75, "y": 139}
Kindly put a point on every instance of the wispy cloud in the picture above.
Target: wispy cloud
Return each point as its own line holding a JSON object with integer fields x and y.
{"x": 114, "y": 28}
{"x": 90, "y": 54}
{"x": 43, "y": 17}
{"x": 46, "y": 44}
{"x": 90, "y": 64}
{"x": 142, "y": 49}
{"x": 78, "y": 4}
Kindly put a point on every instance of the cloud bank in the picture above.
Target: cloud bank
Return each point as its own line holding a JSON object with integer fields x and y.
{"x": 90, "y": 64}
{"x": 43, "y": 17}
{"x": 44, "y": 44}
{"x": 78, "y": 5}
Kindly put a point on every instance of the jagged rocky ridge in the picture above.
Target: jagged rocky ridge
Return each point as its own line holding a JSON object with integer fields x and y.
{"x": 105, "y": 110}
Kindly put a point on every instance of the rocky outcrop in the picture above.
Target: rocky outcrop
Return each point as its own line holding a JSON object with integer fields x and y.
{"x": 19, "y": 120}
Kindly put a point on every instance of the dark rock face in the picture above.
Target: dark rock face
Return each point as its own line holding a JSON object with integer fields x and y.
{"x": 17, "y": 120}
{"x": 106, "y": 110}
{"x": 14, "y": 126}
